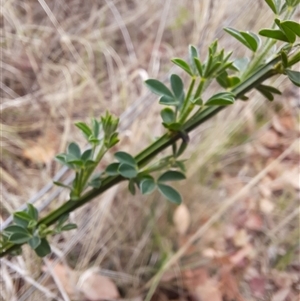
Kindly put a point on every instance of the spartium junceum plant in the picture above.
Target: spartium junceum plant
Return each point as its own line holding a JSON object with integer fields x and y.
{"x": 184, "y": 109}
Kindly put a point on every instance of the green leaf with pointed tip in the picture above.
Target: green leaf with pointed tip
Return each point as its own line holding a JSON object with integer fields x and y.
{"x": 112, "y": 169}
{"x": 272, "y": 5}
{"x": 287, "y": 31}
{"x": 274, "y": 34}
{"x": 167, "y": 115}
{"x": 63, "y": 219}
{"x": 84, "y": 128}
{"x": 252, "y": 39}
{"x": 32, "y": 211}
{"x": 126, "y": 158}
{"x": 175, "y": 126}
{"x": 170, "y": 193}
{"x": 177, "y": 87}
{"x": 34, "y": 242}
{"x": 95, "y": 183}
{"x": 96, "y": 127}
{"x": 147, "y": 185}
{"x": 62, "y": 185}
{"x": 270, "y": 89}
{"x": 158, "y": 87}
{"x": 207, "y": 66}
{"x": 22, "y": 218}
{"x": 221, "y": 99}
{"x": 293, "y": 26}
{"x": 183, "y": 65}
{"x": 68, "y": 227}
{"x": 16, "y": 229}
{"x": 284, "y": 59}
{"x": 127, "y": 171}
{"x": 168, "y": 101}
{"x": 193, "y": 53}
{"x": 74, "y": 150}
{"x": 294, "y": 77}
{"x": 87, "y": 155}
{"x": 244, "y": 38}
{"x": 198, "y": 66}
{"x": 265, "y": 93}
{"x": 131, "y": 186}
{"x": 171, "y": 175}
{"x": 43, "y": 249}
{"x": 19, "y": 238}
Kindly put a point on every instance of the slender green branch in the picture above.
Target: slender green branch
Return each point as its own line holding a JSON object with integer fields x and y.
{"x": 144, "y": 157}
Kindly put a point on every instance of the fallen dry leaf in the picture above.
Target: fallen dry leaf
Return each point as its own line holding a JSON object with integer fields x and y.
{"x": 66, "y": 277}
{"x": 258, "y": 286}
{"x": 96, "y": 287}
{"x": 182, "y": 219}
{"x": 241, "y": 238}
{"x": 281, "y": 295}
{"x": 230, "y": 287}
{"x": 208, "y": 291}
{"x": 254, "y": 222}
{"x": 246, "y": 252}
{"x": 266, "y": 206}
{"x": 269, "y": 139}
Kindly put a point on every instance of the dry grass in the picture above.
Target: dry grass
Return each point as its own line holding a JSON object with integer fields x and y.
{"x": 65, "y": 61}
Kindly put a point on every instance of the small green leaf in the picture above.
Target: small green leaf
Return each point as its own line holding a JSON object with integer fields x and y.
{"x": 19, "y": 238}
{"x": 147, "y": 185}
{"x": 34, "y": 242}
{"x": 74, "y": 150}
{"x": 158, "y": 87}
{"x": 245, "y": 38}
{"x": 197, "y": 101}
{"x": 171, "y": 175}
{"x": 32, "y": 224}
{"x": 131, "y": 186}
{"x": 252, "y": 39}
{"x": 265, "y": 93}
{"x": 168, "y": 101}
{"x": 87, "y": 155}
{"x": 16, "y": 229}
{"x": 198, "y": 66}
{"x": 170, "y": 193}
{"x": 167, "y": 115}
{"x": 68, "y": 227}
{"x": 274, "y": 34}
{"x": 287, "y": 31}
{"x": 293, "y": 26}
{"x": 22, "y": 218}
{"x": 175, "y": 126}
{"x": 84, "y": 128}
{"x": 126, "y": 158}
{"x": 207, "y": 66}
{"x": 177, "y": 87}
{"x": 193, "y": 53}
{"x": 127, "y": 171}
{"x": 96, "y": 127}
{"x": 182, "y": 148}
{"x": 62, "y": 219}
{"x": 284, "y": 59}
{"x": 180, "y": 165}
{"x": 294, "y": 77}
{"x": 221, "y": 99}
{"x": 272, "y": 6}
{"x": 112, "y": 169}
{"x": 32, "y": 211}
{"x": 95, "y": 183}
{"x": 183, "y": 65}
{"x": 43, "y": 249}
{"x": 62, "y": 185}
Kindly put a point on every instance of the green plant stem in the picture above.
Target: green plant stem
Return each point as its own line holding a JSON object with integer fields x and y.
{"x": 144, "y": 157}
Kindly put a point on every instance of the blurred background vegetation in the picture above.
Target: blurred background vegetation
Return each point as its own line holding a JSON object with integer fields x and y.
{"x": 67, "y": 61}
